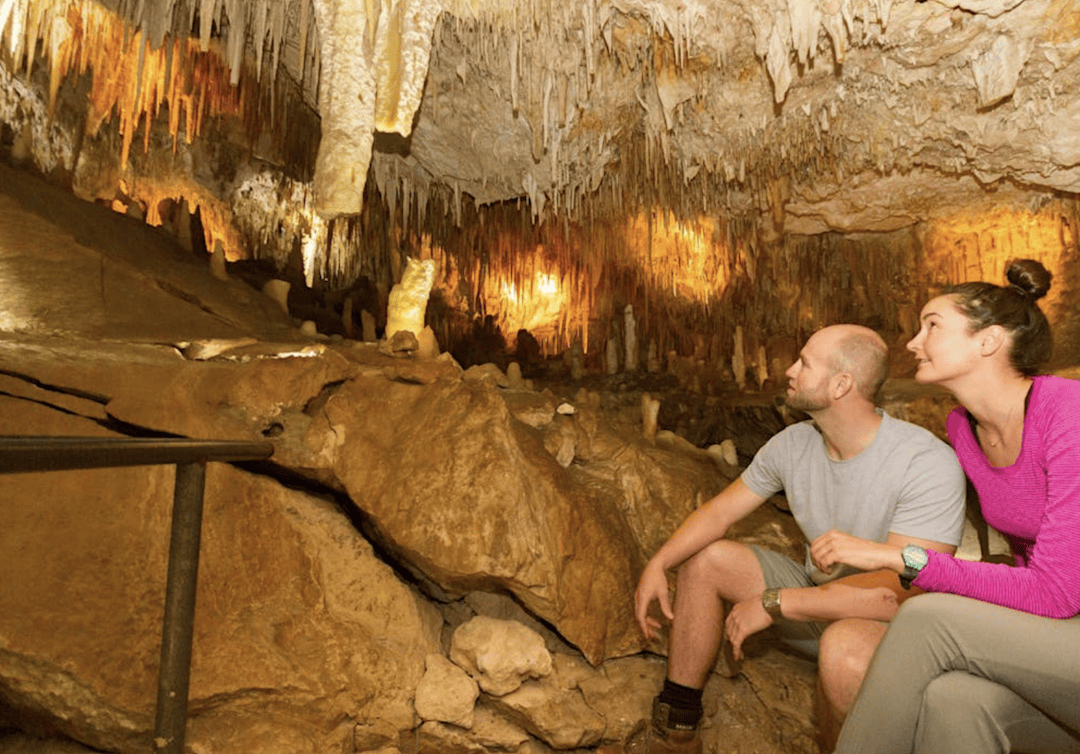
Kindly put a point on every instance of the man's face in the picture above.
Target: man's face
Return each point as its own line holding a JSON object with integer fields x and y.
{"x": 808, "y": 377}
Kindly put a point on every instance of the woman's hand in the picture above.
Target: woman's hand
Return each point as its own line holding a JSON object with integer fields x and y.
{"x": 835, "y": 547}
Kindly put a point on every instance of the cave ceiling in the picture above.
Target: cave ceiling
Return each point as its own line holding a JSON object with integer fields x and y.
{"x": 807, "y": 116}
{"x": 846, "y": 116}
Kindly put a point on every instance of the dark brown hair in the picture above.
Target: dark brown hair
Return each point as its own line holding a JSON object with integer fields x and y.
{"x": 1014, "y": 308}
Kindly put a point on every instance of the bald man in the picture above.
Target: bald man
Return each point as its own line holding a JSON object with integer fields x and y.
{"x": 850, "y": 468}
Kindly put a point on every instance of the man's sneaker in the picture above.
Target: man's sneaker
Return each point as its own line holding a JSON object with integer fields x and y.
{"x": 657, "y": 736}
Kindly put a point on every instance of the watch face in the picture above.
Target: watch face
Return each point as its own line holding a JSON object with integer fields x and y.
{"x": 914, "y": 557}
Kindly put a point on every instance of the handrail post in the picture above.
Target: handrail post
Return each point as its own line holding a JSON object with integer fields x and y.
{"x": 26, "y": 453}
{"x": 177, "y": 628}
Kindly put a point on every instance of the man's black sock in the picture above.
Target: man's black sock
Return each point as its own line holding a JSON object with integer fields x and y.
{"x": 685, "y": 704}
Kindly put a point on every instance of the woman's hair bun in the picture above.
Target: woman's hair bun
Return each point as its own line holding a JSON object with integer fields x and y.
{"x": 1030, "y": 277}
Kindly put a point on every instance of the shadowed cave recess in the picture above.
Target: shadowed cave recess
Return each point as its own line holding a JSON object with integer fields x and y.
{"x": 630, "y": 215}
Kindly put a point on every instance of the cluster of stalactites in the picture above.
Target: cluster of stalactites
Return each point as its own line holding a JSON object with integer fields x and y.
{"x": 559, "y": 53}
{"x": 136, "y": 69}
{"x": 284, "y": 29}
{"x": 796, "y": 26}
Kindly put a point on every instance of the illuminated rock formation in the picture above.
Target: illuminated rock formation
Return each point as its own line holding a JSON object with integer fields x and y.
{"x": 408, "y": 299}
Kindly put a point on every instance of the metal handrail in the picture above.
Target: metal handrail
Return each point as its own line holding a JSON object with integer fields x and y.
{"x": 42, "y": 453}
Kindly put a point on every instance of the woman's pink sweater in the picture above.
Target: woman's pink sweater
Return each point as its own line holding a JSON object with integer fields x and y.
{"x": 1035, "y": 503}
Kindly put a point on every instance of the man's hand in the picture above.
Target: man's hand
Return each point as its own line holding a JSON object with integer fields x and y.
{"x": 745, "y": 619}
{"x": 652, "y": 586}
{"x": 835, "y": 547}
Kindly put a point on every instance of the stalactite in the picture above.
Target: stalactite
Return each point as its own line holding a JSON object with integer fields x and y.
{"x": 37, "y": 14}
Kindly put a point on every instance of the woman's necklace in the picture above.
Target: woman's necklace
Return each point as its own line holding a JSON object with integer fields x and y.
{"x": 1007, "y": 427}
{"x": 1005, "y": 430}
{"x": 994, "y": 443}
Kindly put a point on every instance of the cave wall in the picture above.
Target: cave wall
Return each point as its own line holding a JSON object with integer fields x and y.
{"x": 728, "y": 298}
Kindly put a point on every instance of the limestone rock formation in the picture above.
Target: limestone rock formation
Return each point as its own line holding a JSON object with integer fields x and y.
{"x": 446, "y": 693}
{"x": 290, "y": 638}
{"x": 500, "y": 654}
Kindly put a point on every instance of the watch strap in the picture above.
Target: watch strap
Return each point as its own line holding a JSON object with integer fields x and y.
{"x": 770, "y": 600}
{"x": 907, "y": 576}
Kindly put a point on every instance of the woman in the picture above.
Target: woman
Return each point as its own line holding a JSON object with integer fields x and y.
{"x": 990, "y": 660}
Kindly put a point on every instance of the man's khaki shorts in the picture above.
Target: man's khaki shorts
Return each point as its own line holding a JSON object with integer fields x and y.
{"x": 782, "y": 572}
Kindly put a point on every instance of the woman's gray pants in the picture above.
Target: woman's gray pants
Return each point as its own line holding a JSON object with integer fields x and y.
{"x": 956, "y": 676}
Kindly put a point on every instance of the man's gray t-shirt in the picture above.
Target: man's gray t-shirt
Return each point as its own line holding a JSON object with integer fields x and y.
{"x": 907, "y": 481}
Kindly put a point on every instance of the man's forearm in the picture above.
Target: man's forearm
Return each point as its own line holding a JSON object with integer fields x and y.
{"x": 835, "y": 601}
{"x": 707, "y": 524}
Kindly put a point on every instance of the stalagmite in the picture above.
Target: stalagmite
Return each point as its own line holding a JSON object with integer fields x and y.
{"x": 738, "y": 360}
{"x": 652, "y": 360}
{"x": 630, "y": 330}
{"x": 22, "y": 149}
{"x": 575, "y": 359}
{"x": 367, "y": 326}
{"x": 612, "y": 356}
{"x": 725, "y": 452}
{"x": 650, "y": 410}
{"x": 217, "y": 261}
{"x": 347, "y": 317}
{"x": 514, "y": 378}
{"x": 428, "y": 344}
{"x": 183, "y": 225}
{"x": 279, "y": 291}
{"x": 408, "y": 299}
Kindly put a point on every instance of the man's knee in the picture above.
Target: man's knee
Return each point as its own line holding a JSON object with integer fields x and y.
{"x": 729, "y": 569}
{"x": 836, "y": 654}
{"x": 845, "y": 651}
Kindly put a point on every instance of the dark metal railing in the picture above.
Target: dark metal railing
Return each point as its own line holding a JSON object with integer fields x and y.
{"x": 35, "y": 453}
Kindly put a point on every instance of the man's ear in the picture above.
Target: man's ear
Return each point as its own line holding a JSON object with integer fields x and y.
{"x": 842, "y": 383}
{"x": 991, "y": 339}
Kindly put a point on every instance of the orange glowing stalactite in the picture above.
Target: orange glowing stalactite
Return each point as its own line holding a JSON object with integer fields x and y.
{"x": 196, "y": 83}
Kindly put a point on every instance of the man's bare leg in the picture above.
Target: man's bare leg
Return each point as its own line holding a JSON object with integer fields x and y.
{"x": 846, "y": 649}
{"x": 723, "y": 570}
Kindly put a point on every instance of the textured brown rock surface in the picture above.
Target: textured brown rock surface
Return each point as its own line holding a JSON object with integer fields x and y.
{"x": 290, "y": 633}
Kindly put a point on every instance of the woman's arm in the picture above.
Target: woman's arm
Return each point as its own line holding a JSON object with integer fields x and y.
{"x": 1047, "y": 501}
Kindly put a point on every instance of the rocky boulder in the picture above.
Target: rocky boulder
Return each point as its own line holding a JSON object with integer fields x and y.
{"x": 299, "y": 631}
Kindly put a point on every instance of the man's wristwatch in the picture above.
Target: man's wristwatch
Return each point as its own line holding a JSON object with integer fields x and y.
{"x": 770, "y": 600}
{"x": 915, "y": 559}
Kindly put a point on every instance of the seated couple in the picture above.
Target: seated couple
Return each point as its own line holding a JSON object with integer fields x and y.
{"x": 989, "y": 659}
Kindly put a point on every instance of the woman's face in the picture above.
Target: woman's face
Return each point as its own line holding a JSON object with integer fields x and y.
{"x": 945, "y": 347}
